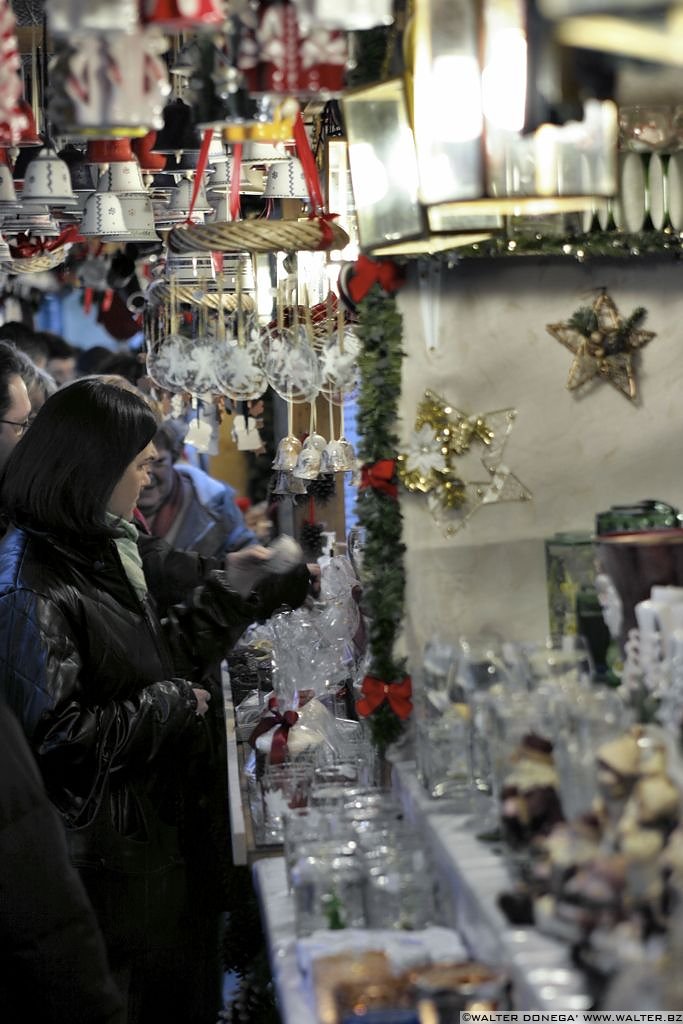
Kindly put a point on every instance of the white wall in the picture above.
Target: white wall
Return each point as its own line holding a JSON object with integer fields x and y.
{"x": 577, "y": 456}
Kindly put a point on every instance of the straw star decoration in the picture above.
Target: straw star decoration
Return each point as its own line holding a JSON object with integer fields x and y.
{"x": 603, "y": 345}
{"x": 444, "y": 434}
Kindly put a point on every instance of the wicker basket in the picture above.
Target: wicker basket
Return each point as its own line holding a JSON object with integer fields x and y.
{"x": 193, "y": 296}
{"x": 40, "y": 262}
{"x": 259, "y": 236}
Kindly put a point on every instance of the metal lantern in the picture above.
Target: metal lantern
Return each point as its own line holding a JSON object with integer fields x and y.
{"x": 474, "y": 80}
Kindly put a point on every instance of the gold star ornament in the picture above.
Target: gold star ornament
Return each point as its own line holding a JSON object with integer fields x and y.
{"x": 603, "y": 345}
{"x": 435, "y": 462}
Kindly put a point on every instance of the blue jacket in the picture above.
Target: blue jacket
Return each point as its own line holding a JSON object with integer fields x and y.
{"x": 212, "y": 524}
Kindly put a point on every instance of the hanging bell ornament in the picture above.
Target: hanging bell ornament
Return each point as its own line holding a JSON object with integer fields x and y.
{"x": 287, "y": 454}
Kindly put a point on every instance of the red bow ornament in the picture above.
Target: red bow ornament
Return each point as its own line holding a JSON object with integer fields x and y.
{"x": 397, "y": 695}
{"x": 380, "y": 476}
{"x": 282, "y": 724}
{"x": 367, "y": 272}
{"x": 24, "y": 247}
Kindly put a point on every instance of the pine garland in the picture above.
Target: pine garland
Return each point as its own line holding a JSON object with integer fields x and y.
{"x": 380, "y": 333}
{"x": 584, "y": 320}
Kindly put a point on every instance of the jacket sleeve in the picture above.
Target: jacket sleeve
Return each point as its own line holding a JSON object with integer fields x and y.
{"x": 54, "y": 962}
{"x": 207, "y": 625}
{"x": 71, "y": 727}
{"x": 171, "y": 575}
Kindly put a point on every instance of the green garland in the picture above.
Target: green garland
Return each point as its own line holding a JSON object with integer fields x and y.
{"x": 380, "y": 331}
{"x": 665, "y": 244}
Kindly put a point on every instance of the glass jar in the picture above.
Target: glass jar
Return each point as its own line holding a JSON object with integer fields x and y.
{"x": 399, "y": 892}
{"x": 327, "y": 886}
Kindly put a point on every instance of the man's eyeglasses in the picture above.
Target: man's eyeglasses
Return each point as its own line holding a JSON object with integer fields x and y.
{"x": 19, "y": 428}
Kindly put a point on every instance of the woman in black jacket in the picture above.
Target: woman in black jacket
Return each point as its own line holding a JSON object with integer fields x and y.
{"x": 108, "y": 694}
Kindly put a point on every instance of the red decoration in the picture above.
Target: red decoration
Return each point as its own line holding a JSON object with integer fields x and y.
{"x": 380, "y": 476}
{"x": 235, "y": 174}
{"x": 143, "y": 150}
{"x": 376, "y": 692}
{"x": 25, "y": 247}
{"x": 282, "y": 724}
{"x": 367, "y": 272}
{"x": 109, "y": 151}
{"x": 181, "y": 14}
{"x": 202, "y": 161}
{"x": 282, "y": 56}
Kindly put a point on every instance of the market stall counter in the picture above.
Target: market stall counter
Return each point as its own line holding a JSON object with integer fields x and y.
{"x": 468, "y": 875}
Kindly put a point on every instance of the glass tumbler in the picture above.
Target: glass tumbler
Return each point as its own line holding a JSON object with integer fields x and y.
{"x": 284, "y": 786}
{"x": 399, "y": 893}
{"x": 327, "y": 887}
{"x": 301, "y": 827}
{"x": 442, "y": 753}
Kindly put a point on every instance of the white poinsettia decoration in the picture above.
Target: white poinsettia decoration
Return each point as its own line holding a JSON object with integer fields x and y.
{"x": 425, "y": 452}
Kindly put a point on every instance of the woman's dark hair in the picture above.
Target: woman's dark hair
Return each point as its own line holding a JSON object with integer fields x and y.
{"x": 61, "y": 474}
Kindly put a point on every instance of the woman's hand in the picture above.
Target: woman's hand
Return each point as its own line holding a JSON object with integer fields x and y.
{"x": 203, "y": 698}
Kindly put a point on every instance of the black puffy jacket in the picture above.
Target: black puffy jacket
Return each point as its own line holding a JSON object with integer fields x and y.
{"x": 92, "y": 673}
{"x": 53, "y": 964}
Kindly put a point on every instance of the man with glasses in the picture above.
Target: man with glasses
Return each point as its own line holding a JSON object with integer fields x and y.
{"x": 15, "y": 405}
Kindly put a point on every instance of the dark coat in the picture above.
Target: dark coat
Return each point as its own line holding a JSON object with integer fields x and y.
{"x": 93, "y": 675}
{"x": 52, "y": 957}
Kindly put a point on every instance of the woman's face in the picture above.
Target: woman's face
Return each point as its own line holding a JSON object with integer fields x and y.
{"x": 125, "y": 495}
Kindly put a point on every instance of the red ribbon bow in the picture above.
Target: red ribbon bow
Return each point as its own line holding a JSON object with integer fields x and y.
{"x": 367, "y": 272}
{"x": 380, "y": 476}
{"x": 24, "y": 247}
{"x": 375, "y": 692}
{"x": 282, "y": 724}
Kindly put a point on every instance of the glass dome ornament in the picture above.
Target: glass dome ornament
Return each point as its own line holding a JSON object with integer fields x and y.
{"x": 339, "y": 364}
{"x": 242, "y": 375}
{"x": 163, "y": 361}
{"x": 199, "y": 367}
{"x": 292, "y": 366}
{"x": 198, "y": 360}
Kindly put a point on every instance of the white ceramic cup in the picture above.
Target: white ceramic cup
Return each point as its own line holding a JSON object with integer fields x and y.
{"x": 660, "y": 616}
